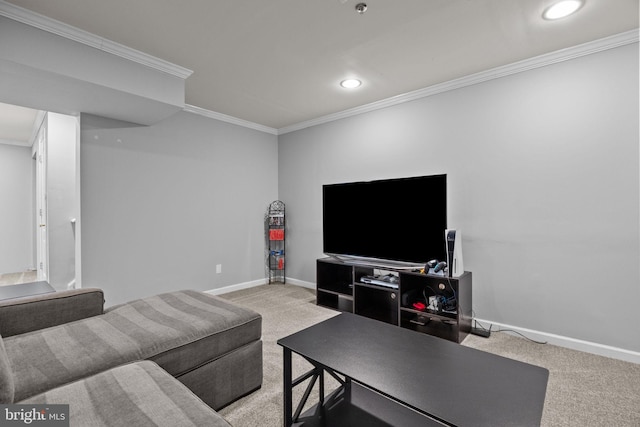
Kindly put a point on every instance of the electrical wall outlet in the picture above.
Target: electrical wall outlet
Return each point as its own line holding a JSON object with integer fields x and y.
{"x": 218, "y": 268}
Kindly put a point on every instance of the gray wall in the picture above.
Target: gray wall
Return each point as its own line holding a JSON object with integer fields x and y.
{"x": 16, "y": 209}
{"x": 162, "y": 205}
{"x": 542, "y": 180}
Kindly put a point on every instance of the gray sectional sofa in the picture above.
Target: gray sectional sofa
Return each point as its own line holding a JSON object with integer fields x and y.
{"x": 152, "y": 361}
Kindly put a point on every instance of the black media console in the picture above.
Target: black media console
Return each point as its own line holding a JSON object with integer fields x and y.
{"x": 339, "y": 286}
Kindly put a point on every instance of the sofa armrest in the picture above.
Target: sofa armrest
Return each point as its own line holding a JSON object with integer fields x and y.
{"x": 22, "y": 315}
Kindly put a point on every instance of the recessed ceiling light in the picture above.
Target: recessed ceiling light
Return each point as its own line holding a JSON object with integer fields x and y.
{"x": 562, "y": 9}
{"x": 350, "y": 83}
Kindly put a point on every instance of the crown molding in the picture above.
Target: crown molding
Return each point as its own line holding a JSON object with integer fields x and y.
{"x": 53, "y": 26}
{"x": 562, "y": 55}
{"x": 14, "y": 142}
{"x": 558, "y": 56}
{"x": 229, "y": 119}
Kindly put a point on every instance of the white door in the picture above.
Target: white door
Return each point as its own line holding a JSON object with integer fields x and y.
{"x": 42, "y": 252}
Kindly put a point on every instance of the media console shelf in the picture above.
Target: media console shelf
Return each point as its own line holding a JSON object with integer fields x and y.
{"x": 339, "y": 286}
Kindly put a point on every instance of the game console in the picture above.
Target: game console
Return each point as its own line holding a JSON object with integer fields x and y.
{"x": 453, "y": 239}
{"x": 388, "y": 281}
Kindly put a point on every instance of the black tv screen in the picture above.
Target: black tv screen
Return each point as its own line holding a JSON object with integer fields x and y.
{"x": 393, "y": 219}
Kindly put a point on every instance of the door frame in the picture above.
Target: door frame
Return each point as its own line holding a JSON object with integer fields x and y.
{"x": 42, "y": 233}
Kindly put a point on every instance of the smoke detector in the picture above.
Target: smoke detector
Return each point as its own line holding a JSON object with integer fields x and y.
{"x": 361, "y": 8}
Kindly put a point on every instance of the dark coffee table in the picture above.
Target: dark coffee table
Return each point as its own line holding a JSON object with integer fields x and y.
{"x": 391, "y": 376}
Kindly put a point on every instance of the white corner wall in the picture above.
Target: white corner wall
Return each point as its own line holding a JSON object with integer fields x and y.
{"x": 543, "y": 181}
{"x": 61, "y": 198}
{"x": 16, "y": 209}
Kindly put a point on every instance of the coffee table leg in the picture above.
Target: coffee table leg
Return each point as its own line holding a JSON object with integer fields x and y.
{"x": 288, "y": 388}
{"x": 347, "y": 389}
{"x": 321, "y": 385}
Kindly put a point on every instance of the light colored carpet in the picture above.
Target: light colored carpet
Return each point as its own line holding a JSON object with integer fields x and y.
{"x": 583, "y": 389}
{"x": 7, "y": 279}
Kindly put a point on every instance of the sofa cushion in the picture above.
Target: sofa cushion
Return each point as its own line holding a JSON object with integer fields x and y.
{"x": 136, "y": 394}
{"x": 189, "y": 328}
{"x": 22, "y": 315}
{"x": 180, "y": 330}
{"x": 6, "y": 377}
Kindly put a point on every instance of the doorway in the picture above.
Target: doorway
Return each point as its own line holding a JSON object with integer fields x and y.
{"x": 39, "y": 190}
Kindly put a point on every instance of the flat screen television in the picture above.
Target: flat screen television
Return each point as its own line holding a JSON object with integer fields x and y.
{"x": 401, "y": 220}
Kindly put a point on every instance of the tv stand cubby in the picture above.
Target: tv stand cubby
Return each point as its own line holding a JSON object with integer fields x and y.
{"x": 339, "y": 286}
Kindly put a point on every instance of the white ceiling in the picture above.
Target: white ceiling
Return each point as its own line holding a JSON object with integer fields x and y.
{"x": 278, "y": 62}
{"x": 16, "y": 124}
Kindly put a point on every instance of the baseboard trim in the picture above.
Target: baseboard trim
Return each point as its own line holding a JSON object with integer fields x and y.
{"x": 237, "y": 287}
{"x": 567, "y": 342}
{"x": 559, "y": 340}
{"x": 254, "y": 283}
{"x": 301, "y": 283}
